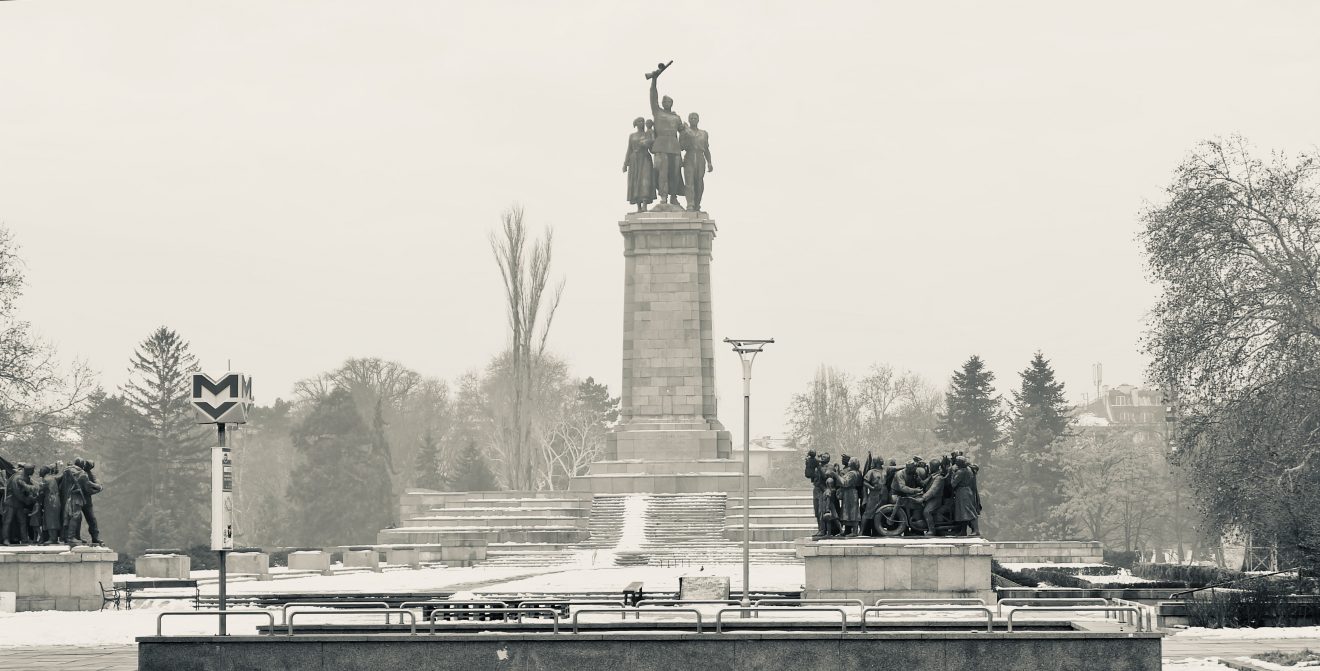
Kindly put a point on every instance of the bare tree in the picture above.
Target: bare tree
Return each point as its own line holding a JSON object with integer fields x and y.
{"x": 526, "y": 273}
{"x": 37, "y": 393}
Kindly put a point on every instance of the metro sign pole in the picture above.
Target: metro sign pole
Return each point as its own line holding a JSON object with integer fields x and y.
{"x": 222, "y": 402}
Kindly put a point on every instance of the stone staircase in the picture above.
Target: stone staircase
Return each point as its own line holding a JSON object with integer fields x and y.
{"x": 551, "y": 520}
{"x": 778, "y": 517}
{"x": 549, "y": 529}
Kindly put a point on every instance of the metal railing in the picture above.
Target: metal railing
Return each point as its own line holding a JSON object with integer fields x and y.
{"x": 455, "y": 609}
{"x": 1049, "y": 601}
{"x": 932, "y": 608}
{"x": 566, "y": 605}
{"x": 284, "y": 610}
{"x": 638, "y": 611}
{"x": 173, "y": 613}
{"x": 688, "y": 602}
{"x": 412, "y": 617}
{"x": 1144, "y": 611}
{"x": 1014, "y": 610}
{"x": 552, "y": 612}
{"x": 820, "y": 602}
{"x": 756, "y": 610}
{"x": 918, "y": 602}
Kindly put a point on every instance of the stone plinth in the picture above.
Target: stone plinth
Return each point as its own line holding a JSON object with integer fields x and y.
{"x": 174, "y": 566}
{"x": 310, "y": 560}
{"x": 669, "y": 438}
{"x": 897, "y": 568}
{"x": 56, "y": 577}
{"x": 703, "y": 587}
{"x": 250, "y": 563}
{"x": 404, "y": 557}
{"x": 1042, "y": 552}
{"x": 362, "y": 559}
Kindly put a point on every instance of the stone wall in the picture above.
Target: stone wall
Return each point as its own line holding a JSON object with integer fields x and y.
{"x": 768, "y": 651}
{"x": 896, "y": 568}
{"x": 56, "y": 577}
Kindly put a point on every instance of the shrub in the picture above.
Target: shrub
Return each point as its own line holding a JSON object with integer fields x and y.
{"x": 1261, "y": 603}
{"x": 1121, "y": 558}
{"x": 1083, "y": 570}
{"x": 1015, "y": 576}
{"x": 1194, "y": 576}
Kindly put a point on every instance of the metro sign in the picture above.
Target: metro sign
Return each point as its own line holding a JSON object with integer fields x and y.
{"x": 223, "y": 401}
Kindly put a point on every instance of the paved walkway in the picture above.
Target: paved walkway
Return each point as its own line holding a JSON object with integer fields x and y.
{"x": 108, "y": 658}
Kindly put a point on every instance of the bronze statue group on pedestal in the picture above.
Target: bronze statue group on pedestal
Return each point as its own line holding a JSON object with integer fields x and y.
{"x": 931, "y": 497}
{"x": 666, "y": 157}
{"x": 47, "y": 506}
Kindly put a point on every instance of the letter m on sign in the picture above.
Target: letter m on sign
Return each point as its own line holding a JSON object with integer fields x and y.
{"x": 222, "y": 401}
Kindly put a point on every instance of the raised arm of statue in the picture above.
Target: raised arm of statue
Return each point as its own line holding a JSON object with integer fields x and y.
{"x": 655, "y": 97}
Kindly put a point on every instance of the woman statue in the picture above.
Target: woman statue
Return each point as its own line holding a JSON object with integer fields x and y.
{"x": 637, "y": 163}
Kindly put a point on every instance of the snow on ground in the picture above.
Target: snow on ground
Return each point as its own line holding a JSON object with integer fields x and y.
{"x": 633, "y": 535}
{"x": 1194, "y": 664}
{"x": 765, "y": 577}
{"x": 1251, "y": 634}
{"x": 110, "y": 627}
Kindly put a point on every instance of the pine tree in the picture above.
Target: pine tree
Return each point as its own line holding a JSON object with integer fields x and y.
{"x": 472, "y": 473}
{"x": 172, "y": 461}
{"x": 427, "y": 470}
{"x": 972, "y": 414}
{"x": 1044, "y": 393}
{"x": 339, "y": 492}
{"x": 1029, "y": 484}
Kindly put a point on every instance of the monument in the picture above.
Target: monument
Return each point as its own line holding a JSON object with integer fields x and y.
{"x": 669, "y": 438}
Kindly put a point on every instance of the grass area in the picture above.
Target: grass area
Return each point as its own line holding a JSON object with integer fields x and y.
{"x": 1290, "y": 657}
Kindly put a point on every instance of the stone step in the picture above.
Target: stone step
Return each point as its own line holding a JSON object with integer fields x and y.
{"x": 500, "y": 522}
{"x": 666, "y": 467}
{"x": 773, "y": 533}
{"x": 486, "y": 511}
{"x": 616, "y": 483}
{"x": 796, "y": 511}
{"x": 406, "y": 535}
{"x": 776, "y": 520}
{"x": 736, "y": 500}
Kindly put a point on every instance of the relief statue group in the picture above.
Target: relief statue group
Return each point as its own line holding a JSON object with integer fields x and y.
{"x": 666, "y": 157}
{"x": 935, "y": 497}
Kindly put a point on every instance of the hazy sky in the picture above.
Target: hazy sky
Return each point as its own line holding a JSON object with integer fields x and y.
{"x": 292, "y": 183}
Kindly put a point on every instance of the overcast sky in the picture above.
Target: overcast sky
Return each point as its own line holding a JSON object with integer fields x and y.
{"x": 289, "y": 184}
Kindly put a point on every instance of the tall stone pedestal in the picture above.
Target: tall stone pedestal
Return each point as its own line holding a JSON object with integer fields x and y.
{"x": 669, "y": 438}
{"x": 56, "y": 577}
{"x": 897, "y": 568}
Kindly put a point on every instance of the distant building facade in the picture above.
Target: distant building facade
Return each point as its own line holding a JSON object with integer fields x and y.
{"x": 1127, "y": 407}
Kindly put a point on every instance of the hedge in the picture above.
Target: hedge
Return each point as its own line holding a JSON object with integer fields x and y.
{"x": 1193, "y": 575}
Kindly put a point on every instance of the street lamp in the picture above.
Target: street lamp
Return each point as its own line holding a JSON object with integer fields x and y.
{"x": 747, "y": 350}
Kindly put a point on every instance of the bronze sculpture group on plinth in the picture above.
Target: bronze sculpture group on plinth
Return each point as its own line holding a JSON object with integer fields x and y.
{"x": 49, "y": 508}
{"x": 936, "y": 497}
{"x": 667, "y": 157}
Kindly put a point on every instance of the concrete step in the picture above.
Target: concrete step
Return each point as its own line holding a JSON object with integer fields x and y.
{"x": 501, "y": 522}
{"x": 511, "y": 511}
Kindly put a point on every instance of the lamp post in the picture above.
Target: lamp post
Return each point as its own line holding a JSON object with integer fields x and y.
{"x": 747, "y": 350}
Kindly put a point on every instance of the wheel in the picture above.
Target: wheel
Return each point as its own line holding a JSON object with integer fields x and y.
{"x": 892, "y": 520}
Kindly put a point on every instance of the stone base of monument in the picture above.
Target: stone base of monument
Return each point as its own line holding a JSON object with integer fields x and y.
{"x": 171, "y": 566}
{"x": 56, "y": 577}
{"x": 703, "y": 587}
{"x": 310, "y": 560}
{"x": 896, "y": 568}
{"x": 1042, "y": 552}
{"x": 362, "y": 559}
{"x": 256, "y": 564}
{"x": 410, "y": 557}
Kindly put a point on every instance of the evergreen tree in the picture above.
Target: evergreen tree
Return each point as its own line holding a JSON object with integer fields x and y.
{"x": 472, "y": 473}
{"x": 1044, "y": 393}
{"x": 1029, "y": 485}
{"x": 972, "y": 415}
{"x": 171, "y": 458}
{"x": 110, "y": 432}
{"x": 427, "y": 471}
{"x": 338, "y": 493}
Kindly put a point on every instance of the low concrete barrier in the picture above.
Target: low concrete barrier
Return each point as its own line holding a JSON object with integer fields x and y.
{"x": 738, "y": 651}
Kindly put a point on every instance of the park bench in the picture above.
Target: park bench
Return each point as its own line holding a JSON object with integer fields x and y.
{"x": 632, "y": 594}
{"x": 128, "y": 586}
